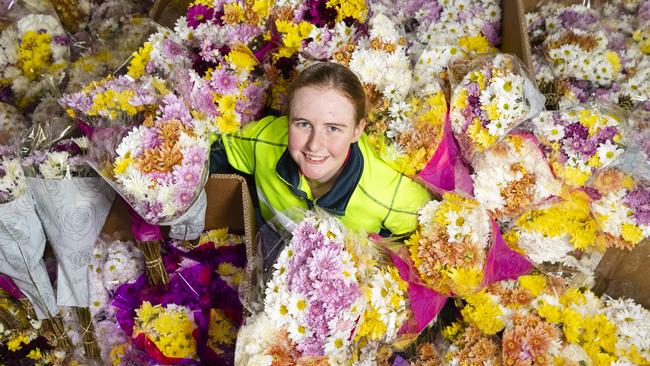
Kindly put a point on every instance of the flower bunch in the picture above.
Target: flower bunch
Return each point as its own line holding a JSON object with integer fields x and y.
{"x": 449, "y": 247}
{"x": 511, "y": 176}
{"x": 161, "y": 165}
{"x": 454, "y": 22}
{"x": 34, "y": 53}
{"x": 12, "y": 124}
{"x": 492, "y": 309}
{"x": 114, "y": 263}
{"x": 12, "y": 178}
{"x": 492, "y": 98}
{"x": 621, "y": 208}
{"x": 168, "y": 327}
{"x": 116, "y": 100}
{"x": 580, "y": 140}
{"x": 63, "y": 160}
{"x": 314, "y": 294}
{"x": 583, "y": 55}
{"x": 404, "y": 126}
{"x": 327, "y": 300}
{"x": 555, "y": 230}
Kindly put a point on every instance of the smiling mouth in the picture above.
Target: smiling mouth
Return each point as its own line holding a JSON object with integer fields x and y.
{"x": 314, "y": 159}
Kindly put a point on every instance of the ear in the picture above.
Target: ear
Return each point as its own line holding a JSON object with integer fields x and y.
{"x": 358, "y": 130}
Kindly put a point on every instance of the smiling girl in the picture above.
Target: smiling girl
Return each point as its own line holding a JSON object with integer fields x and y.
{"x": 318, "y": 156}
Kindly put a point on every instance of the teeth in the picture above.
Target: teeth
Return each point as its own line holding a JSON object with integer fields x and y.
{"x": 315, "y": 158}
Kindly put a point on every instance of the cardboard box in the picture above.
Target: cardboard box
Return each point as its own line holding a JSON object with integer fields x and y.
{"x": 623, "y": 273}
{"x": 229, "y": 205}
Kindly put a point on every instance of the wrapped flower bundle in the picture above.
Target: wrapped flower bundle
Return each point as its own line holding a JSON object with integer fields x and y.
{"x": 450, "y": 246}
{"x": 34, "y": 52}
{"x": 196, "y": 317}
{"x": 513, "y": 175}
{"x": 325, "y": 302}
{"x": 404, "y": 126}
{"x": 621, "y": 208}
{"x": 116, "y": 100}
{"x": 560, "y": 232}
{"x": 12, "y": 178}
{"x": 494, "y": 96}
{"x": 580, "y": 140}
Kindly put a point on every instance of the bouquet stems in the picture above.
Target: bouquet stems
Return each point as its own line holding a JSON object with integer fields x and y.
{"x": 55, "y": 327}
{"x": 91, "y": 347}
{"x": 29, "y": 308}
{"x": 156, "y": 273}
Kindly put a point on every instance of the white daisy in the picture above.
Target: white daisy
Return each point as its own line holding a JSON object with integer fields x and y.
{"x": 608, "y": 152}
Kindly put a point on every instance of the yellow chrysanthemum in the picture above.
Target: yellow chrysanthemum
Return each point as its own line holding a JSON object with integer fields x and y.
{"x": 139, "y": 61}
{"x": 292, "y": 36}
{"x": 480, "y": 135}
{"x": 34, "y": 54}
{"x": 552, "y": 314}
{"x": 464, "y": 281}
{"x": 459, "y": 100}
{"x": 632, "y": 233}
{"x": 482, "y": 312}
{"x": 355, "y": 9}
{"x": 242, "y": 58}
{"x": 535, "y": 284}
{"x": 477, "y": 44}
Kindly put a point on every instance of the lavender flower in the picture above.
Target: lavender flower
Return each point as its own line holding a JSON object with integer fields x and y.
{"x": 639, "y": 201}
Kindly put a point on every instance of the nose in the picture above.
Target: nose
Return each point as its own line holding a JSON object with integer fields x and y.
{"x": 315, "y": 142}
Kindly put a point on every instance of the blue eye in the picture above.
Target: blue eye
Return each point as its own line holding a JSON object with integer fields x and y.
{"x": 302, "y": 124}
{"x": 333, "y": 129}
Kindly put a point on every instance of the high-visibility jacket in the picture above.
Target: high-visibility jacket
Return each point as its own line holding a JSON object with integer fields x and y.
{"x": 368, "y": 195}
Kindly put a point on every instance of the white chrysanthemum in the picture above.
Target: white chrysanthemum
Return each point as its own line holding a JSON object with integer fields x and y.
{"x": 336, "y": 345}
{"x": 458, "y": 226}
{"x": 611, "y": 212}
{"x": 132, "y": 142}
{"x": 608, "y": 152}
{"x": 298, "y": 304}
{"x": 384, "y": 29}
{"x": 254, "y": 338}
{"x": 56, "y": 166}
{"x": 298, "y": 331}
{"x": 542, "y": 249}
{"x": 426, "y": 215}
{"x": 136, "y": 184}
{"x": 632, "y": 322}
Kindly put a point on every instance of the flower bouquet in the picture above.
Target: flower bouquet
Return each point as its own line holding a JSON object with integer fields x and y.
{"x": 404, "y": 126}
{"x": 580, "y": 140}
{"x": 492, "y": 96}
{"x": 511, "y": 176}
{"x": 34, "y": 51}
{"x": 195, "y": 319}
{"x": 72, "y": 203}
{"x": 620, "y": 206}
{"x": 636, "y": 158}
{"x": 23, "y": 243}
{"x": 326, "y": 301}
{"x": 560, "y": 235}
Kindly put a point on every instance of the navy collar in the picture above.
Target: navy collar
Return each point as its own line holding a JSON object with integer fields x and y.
{"x": 336, "y": 200}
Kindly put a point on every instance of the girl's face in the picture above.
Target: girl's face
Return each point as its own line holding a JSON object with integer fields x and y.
{"x": 321, "y": 129}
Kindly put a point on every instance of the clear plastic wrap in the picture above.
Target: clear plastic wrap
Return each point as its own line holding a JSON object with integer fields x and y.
{"x": 491, "y": 95}
{"x": 325, "y": 300}
{"x": 513, "y": 175}
{"x": 620, "y": 205}
{"x": 35, "y": 51}
{"x": 580, "y": 140}
{"x": 560, "y": 237}
{"x": 635, "y": 159}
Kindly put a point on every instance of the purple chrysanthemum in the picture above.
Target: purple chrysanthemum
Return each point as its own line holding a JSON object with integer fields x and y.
{"x": 199, "y": 14}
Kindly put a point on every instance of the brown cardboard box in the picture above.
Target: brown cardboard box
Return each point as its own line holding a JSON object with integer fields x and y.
{"x": 623, "y": 273}
{"x": 229, "y": 205}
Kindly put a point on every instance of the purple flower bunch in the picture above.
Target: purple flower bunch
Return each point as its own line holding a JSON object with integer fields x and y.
{"x": 314, "y": 293}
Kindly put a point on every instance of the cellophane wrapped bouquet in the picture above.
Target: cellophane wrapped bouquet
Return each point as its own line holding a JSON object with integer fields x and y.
{"x": 491, "y": 95}
{"x": 34, "y": 52}
{"x": 620, "y": 206}
{"x": 560, "y": 235}
{"x": 581, "y": 140}
{"x": 513, "y": 175}
{"x": 327, "y": 301}
{"x": 404, "y": 123}
{"x": 193, "y": 320}
{"x": 449, "y": 249}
